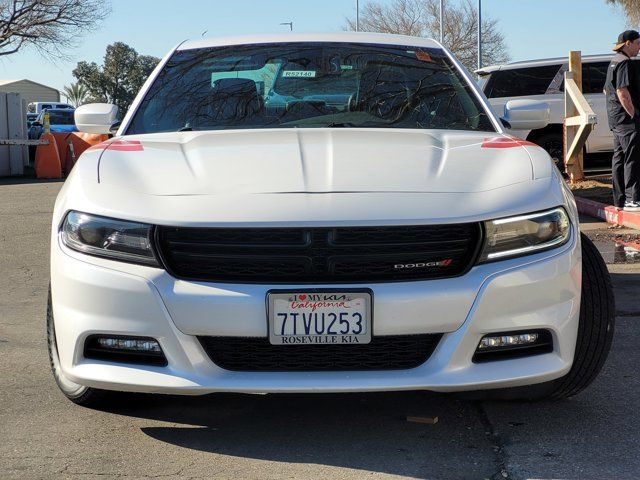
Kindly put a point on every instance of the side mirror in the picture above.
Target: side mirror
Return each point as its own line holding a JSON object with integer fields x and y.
{"x": 95, "y": 117}
{"x": 526, "y": 114}
{"x": 113, "y": 129}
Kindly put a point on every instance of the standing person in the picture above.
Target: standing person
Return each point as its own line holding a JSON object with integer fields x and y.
{"x": 622, "y": 89}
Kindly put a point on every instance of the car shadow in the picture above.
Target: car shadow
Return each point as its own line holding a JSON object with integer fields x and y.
{"x": 367, "y": 432}
{"x": 370, "y": 432}
{"x": 28, "y": 180}
{"x": 626, "y": 285}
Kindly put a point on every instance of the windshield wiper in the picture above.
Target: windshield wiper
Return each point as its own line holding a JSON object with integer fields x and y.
{"x": 186, "y": 128}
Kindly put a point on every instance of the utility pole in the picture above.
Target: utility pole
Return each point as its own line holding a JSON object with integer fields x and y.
{"x": 288, "y": 23}
{"x": 441, "y": 21}
{"x": 479, "y": 34}
{"x": 357, "y": 15}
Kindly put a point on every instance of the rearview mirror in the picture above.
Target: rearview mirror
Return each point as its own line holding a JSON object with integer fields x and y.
{"x": 526, "y": 114}
{"x": 95, "y": 117}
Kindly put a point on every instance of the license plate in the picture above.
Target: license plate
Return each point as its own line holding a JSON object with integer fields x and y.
{"x": 319, "y": 318}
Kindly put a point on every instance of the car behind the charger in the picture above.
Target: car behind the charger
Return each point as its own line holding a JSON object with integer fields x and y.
{"x": 320, "y": 213}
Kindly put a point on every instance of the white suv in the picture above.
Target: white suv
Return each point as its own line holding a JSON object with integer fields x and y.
{"x": 320, "y": 213}
{"x": 543, "y": 80}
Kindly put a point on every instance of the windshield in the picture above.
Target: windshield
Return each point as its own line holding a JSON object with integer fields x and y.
{"x": 61, "y": 118}
{"x": 309, "y": 85}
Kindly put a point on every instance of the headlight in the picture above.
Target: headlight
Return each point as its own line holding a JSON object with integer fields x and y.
{"x": 525, "y": 234}
{"x": 109, "y": 238}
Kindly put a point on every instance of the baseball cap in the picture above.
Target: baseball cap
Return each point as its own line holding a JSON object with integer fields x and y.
{"x": 624, "y": 37}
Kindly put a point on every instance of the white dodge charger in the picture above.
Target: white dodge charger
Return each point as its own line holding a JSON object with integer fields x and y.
{"x": 320, "y": 213}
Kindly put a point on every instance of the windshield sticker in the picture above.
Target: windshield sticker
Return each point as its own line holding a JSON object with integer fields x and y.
{"x": 423, "y": 56}
{"x": 299, "y": 74}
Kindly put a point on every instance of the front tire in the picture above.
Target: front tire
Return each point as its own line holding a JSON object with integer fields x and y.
{"x": 595, "y": 333}
{"x": 78, "y": 394}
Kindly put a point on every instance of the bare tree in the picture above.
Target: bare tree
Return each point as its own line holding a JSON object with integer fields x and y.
{"x": 631, "y": 9}
{"x": 421, "y": 18}
{"x": 48, "y": 25}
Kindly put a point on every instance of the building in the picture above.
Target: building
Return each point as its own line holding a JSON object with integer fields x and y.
{"x": 30, "y": 91}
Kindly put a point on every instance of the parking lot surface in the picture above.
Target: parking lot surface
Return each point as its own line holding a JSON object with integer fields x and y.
{"x": 42, "y": 435}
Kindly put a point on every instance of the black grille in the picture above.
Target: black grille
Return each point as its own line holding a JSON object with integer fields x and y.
{"x": 253, "y": 354}
{"x": 318, "y": 255}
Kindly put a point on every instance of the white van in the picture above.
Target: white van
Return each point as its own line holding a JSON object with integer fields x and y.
{"x": 37, "y": 107}
{"x": 543, "y": 80}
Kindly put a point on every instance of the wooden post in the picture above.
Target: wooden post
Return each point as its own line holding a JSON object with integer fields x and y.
{"x": 575, "y": 67}
{"x": 5, "y": 162}
{"x": 16, "y": 122}
{"x": 25, "y": 133}
{"x": 574, "y": 166}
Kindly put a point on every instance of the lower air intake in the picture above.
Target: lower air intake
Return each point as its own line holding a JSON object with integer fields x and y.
{"x": 256, "y": 354}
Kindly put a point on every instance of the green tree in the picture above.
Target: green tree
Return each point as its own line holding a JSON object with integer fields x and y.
{"x": 421, "y": 18}
{"x": 117, "y": 81}
{"x": 631, "y": 9}
{"x": 76, "y": 93}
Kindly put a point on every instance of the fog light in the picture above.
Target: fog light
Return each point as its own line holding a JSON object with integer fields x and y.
{"x": 117, "y": 348}
{"x": 129, "y": 344}
{"x": 508, "y": 340}
{"x": 509, "y": 345}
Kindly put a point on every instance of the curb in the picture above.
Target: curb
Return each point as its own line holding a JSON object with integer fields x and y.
{"x": 608, "y": 213}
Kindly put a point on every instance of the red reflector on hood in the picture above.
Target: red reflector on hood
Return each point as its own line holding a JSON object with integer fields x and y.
{"x": 506, "y": 142}
{"x": 99, "y": 146}
{"x": 119, "y": 145}
{"x": 125, "y": 145}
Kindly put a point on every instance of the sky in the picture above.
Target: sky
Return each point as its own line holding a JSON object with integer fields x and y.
{"x": 532, "y": 28}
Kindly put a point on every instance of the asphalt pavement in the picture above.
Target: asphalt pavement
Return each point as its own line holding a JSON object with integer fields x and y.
{"x": 594, "y": 435}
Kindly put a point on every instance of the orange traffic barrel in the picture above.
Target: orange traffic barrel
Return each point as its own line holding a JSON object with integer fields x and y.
{"x": 75, "y": 144}
{"x": 47, "y": 163}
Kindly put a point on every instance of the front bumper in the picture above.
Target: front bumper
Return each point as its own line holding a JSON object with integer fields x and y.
{"x": 97, "y": 296}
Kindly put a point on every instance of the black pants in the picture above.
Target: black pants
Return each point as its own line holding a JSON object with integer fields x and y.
{"x": 625, "y": 166}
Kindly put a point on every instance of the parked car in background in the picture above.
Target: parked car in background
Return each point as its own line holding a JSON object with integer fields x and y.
{"x": 31, "y": 117}
{"x": 60, "y": 120}
{"x": 543, "y": 80}
{"x": 37, "y": 107}
{"x": 320, "y": 213}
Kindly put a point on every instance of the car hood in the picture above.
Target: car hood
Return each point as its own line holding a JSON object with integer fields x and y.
{"x": 316, "y": 161}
